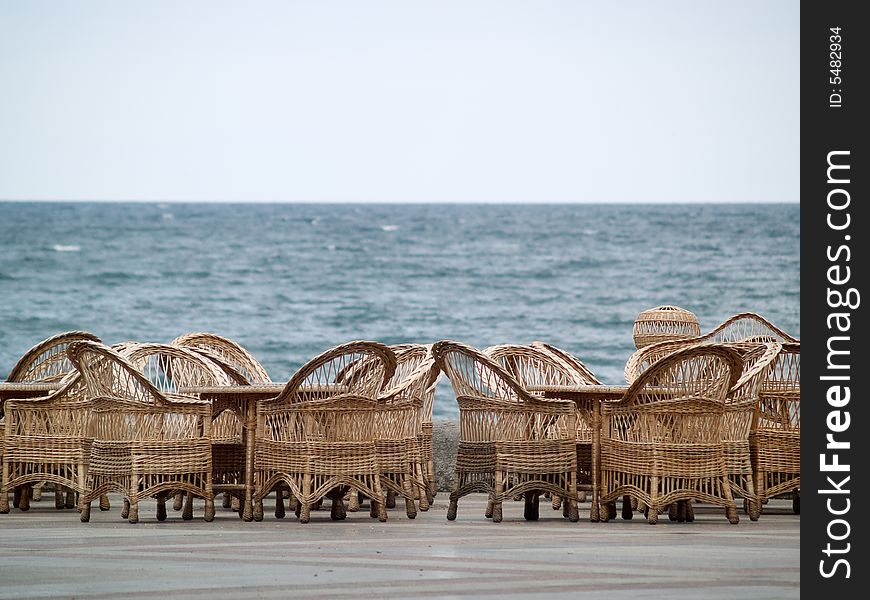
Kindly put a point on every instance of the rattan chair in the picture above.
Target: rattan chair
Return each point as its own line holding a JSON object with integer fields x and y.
{"x": 44, "y": 363}
{"x": 228, "y": 449}
{"x": 663, "y": 441}
{"x": 146, "y": 442}
{"x": 403, "y": 451}
{"x": 510, "y": 441}
{"x": 541, "y": 365}
{"x": 317, "y": 437}
{"x": 46, "y": 439}
{"x": 776, "y": 430}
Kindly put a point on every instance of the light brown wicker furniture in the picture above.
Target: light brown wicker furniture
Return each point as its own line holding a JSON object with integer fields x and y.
{"x": 46, "y": 439}
{"x": 738, "y": 328}
{"x": 404, "y": 451}
{"x": 582, "y": 373}
{"x": 510, "y": 442}
{"x": 776, "y": 431}
{"x": 539, "y": 366}
{"x": 146, "y": 442}
{"x": 43, "y": 363}
{"x": 663, "y": 441}
{"x": 324, "y": 446}
{"x": 664, "y": 323}
{"x": 228, "y": 444}
{"x": 240, "y": 365}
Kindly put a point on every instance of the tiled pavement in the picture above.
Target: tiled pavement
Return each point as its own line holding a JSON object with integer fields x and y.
{"x": 46, "y": 553}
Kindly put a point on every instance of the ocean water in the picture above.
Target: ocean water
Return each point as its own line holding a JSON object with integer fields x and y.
{"x": 289, "y": 281}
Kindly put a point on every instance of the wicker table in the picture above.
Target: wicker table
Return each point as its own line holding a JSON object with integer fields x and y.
{"x": 589, "y": 397}
{"x": 17, "y": 389}
{"x": 243, "y": 400}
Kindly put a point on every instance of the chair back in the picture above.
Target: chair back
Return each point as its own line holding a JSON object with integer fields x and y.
{"x": 108, "y": 374}
{"x": 47, "y": 361}
{"x": 239, "y": 364}
{"x": 581, "y": 372}
{"x": 780, "y": 391}
{"x": 533, "y": 366}
{"x": 169, "y": 367}
{"x": 360, "y": 367}
{"x": 680, "y": 399}
{"x": 475, "y": 375}
{"x": 746, "y": 325}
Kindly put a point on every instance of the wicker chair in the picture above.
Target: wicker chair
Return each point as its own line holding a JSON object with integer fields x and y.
{"x": 44, "y": 363}
{"x": 775, "y": 435}
{"x": 403, "y": 451}
{"x": 228, "y": 449}
{"x": 324, "y": 446}
{"x": 537, "y": 365}
{"x": 663, "y": 441}
{"x": 146, "y": 442}
{"x": 46, "y": 439}
{"x": 510, "y": 442}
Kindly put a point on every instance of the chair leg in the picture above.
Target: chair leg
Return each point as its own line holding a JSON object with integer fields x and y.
{"x": 59, "y": 502}
{"x": 497, "y": 497}
{"x": 410, "y": 506}
{"x": 796, "y": 502}
{"x": 391, "y": 499}
{"x": 532, "y": 509}
{"x": 208, "y": 511}
{"x": 36, "y": 495}
{"x": 125, "y": 510}
{"x": 161, "y": 507}
{"x": 70, "y": 498}
{"x": 452, "y": 508}
{"x": 178, "y": 501}
{"x": 353, "y": 501}
{"x": 557, "y": 501}
{"x": 104, "y": 502}
{"x": 279, "y": 504}
{"x": 187, "y": 512}
{"x": 227, "y": 501}
{"x": 133, "y": 516}
{"x": 627, "y": 513}
{"x": 85, "y": 514}
{"x": 24, "y": 502}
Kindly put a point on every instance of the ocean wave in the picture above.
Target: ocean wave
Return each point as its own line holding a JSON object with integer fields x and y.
{"x": 62, "y": 248}
{"x": 390, "y": 227}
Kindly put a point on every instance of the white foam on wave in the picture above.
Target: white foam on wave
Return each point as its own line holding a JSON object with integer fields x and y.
{"x": 390, "y": 227}
{"x": 62, "y": 248}
{"x": 168, "y": 216}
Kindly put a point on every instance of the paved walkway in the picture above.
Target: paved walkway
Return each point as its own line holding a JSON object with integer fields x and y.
{"x": 46, "y": 553}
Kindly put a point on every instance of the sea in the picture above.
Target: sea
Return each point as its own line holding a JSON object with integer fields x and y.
{"x": 288, "y": 281}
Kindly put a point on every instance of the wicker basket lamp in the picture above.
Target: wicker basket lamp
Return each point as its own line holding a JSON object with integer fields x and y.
{"x": 664, "y": 323}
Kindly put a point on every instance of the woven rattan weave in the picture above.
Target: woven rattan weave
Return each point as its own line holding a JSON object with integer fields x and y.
{"x": 662, "y": 442}
{"x": 664, "y": 323}
{"x": 324, "y": 446}
{"x": 44, "y": 362}
{"x": 146, "y": 442}
{"x": 510, "y": 442}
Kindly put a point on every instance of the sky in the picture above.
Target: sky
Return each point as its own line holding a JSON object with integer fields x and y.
{"x": 400, "y": 101}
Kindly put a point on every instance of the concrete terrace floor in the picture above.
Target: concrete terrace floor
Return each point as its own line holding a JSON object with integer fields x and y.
{"x": 46, "y": 553}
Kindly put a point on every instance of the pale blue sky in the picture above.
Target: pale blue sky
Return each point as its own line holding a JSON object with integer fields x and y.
{"x": 484, "y": 101}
